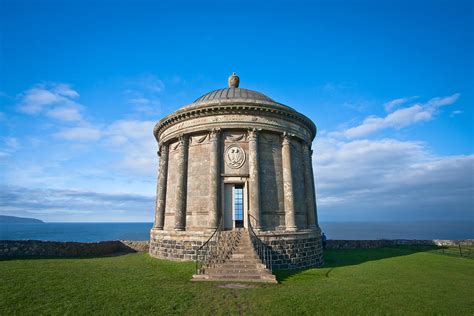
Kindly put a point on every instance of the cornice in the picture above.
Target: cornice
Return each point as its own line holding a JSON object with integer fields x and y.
{"x": 234, "y": 107}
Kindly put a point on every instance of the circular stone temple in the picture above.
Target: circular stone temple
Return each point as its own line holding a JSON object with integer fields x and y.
{"x": 235, "y": 159}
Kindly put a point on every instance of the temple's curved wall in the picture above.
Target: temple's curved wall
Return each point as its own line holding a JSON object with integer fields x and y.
{"x": 257, "y": 144}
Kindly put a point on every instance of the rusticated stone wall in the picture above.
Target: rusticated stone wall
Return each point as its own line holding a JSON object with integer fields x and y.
{"x": 294, "y": 251}
{"x": 176, "y": 245}
{"x": 37, "y": 248}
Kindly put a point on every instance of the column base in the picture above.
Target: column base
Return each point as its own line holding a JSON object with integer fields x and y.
{"x": 291, "y": 228}
{"x": 179, "y": 229}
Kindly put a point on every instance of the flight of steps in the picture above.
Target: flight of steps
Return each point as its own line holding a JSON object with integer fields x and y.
{"x": 236, "y": 261}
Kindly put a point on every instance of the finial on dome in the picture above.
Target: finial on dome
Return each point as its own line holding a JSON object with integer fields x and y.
{"x": 234, "y": 81}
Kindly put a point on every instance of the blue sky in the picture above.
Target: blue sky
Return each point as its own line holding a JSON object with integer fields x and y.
{"x": 388, "y": 83}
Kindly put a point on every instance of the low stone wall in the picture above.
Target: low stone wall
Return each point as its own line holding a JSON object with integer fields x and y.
{"x": 37, "y": 248}
{"x": 295, "y": 250}
{"x": 352, "y": 244}
{"x": 177, "y": 245}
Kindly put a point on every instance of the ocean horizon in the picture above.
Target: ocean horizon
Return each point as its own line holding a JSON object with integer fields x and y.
{"x": 101, "y": 231}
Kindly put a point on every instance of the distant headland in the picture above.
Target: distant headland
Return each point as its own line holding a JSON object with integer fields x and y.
{"x": 4, "y": 219}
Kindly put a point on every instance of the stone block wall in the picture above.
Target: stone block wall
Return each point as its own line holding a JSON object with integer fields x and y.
{"x": 295, "y": 250}
{"x": 176, "y": 245}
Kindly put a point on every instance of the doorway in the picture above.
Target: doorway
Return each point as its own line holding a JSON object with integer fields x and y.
{"x": 235, "y": 206}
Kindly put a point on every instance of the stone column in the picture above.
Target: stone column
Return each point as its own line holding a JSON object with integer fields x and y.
{"x": 309, "y": 187}
{"x": 182, "y": 162}
{"x": 161, "y": 188}
{"x": 254, "y": 181}
{"x": 290, "y": 216}
{"x": 214, "y": 175}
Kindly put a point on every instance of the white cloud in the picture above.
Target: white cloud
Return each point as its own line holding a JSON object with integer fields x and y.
{"x": 65, "y": 90}
{"x": 372, "y": 177}
{"x": 69, "y": 113}
{"x": 389, "y": 106}
{"x": 399, "y": 118}
{"x": 43, "y": 97}
{"x": 134, "y": 140}
{"x": 80, "y": 133}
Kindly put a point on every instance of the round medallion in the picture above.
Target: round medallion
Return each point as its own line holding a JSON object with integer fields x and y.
{"x": 234, "y": 156}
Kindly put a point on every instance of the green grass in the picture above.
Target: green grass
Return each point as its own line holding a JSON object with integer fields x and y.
{"x": 361, "y": 281}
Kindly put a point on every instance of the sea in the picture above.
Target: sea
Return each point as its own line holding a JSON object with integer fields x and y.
{"x": 90, "y": 232}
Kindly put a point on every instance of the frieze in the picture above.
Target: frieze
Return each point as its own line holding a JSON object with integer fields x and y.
{"x": 236, "y": 108}
{"x": 235, "y": 121}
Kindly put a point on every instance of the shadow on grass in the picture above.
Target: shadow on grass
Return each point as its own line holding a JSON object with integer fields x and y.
{"x": 335, "y": 258}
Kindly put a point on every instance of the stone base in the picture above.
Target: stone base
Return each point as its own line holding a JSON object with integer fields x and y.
{"x": 177, "y": 245}
{"x": 295, "y": 250}
{"x": 290, "y": 250}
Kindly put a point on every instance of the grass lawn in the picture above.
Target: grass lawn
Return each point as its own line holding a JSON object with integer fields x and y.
{"x": 359, "y": 281}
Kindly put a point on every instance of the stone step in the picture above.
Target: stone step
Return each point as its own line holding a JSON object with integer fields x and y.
{"x": 243, "y": 255}
{"x": 232, "y": 271}
{"x": 235, "y": 278}
{"x": 242, "y": 278}
{"x": 235, "y": 265}
{"x": 236, "y": 260}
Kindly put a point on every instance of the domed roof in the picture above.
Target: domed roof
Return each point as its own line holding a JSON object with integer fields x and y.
{"x": 233, "y": 93}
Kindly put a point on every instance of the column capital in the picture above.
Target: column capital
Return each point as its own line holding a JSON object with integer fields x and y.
{"x": 286, "y": 137}
{"x": 252, "y": 133}
{"x": 183, "y": 139}
{"x": 214, "y": 133}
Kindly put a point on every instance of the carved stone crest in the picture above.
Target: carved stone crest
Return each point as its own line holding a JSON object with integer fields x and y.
{"x": 234, "y": 156}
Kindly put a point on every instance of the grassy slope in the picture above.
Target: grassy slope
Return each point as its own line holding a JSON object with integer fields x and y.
{"x": 363, "y": 281}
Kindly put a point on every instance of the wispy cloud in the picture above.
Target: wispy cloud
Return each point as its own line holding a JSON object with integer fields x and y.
{"x": 79, "y": 133}
{"x": 57, "y": 100}
{"x": 74, "y": 205}
{"x": 456, "y": 112}
{"x": 389, "y": 106}
{"x": 400, "y": 118}
{"x": 143, "y": 92}
{"x": 134, "y": 140}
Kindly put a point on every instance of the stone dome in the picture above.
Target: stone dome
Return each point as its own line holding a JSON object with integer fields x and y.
{"x": 221, "y": 107}
{"x": 232, "y": 94}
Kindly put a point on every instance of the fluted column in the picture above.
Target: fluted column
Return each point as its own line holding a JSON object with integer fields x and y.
{"x": 182, "y": 163}
{"x": 214, "y": 176}
{"x": 309, "y": 187}
{"x": 254, "y": 180}
{"x": 290, "y": 216}
{"x": 161, "y": 188}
